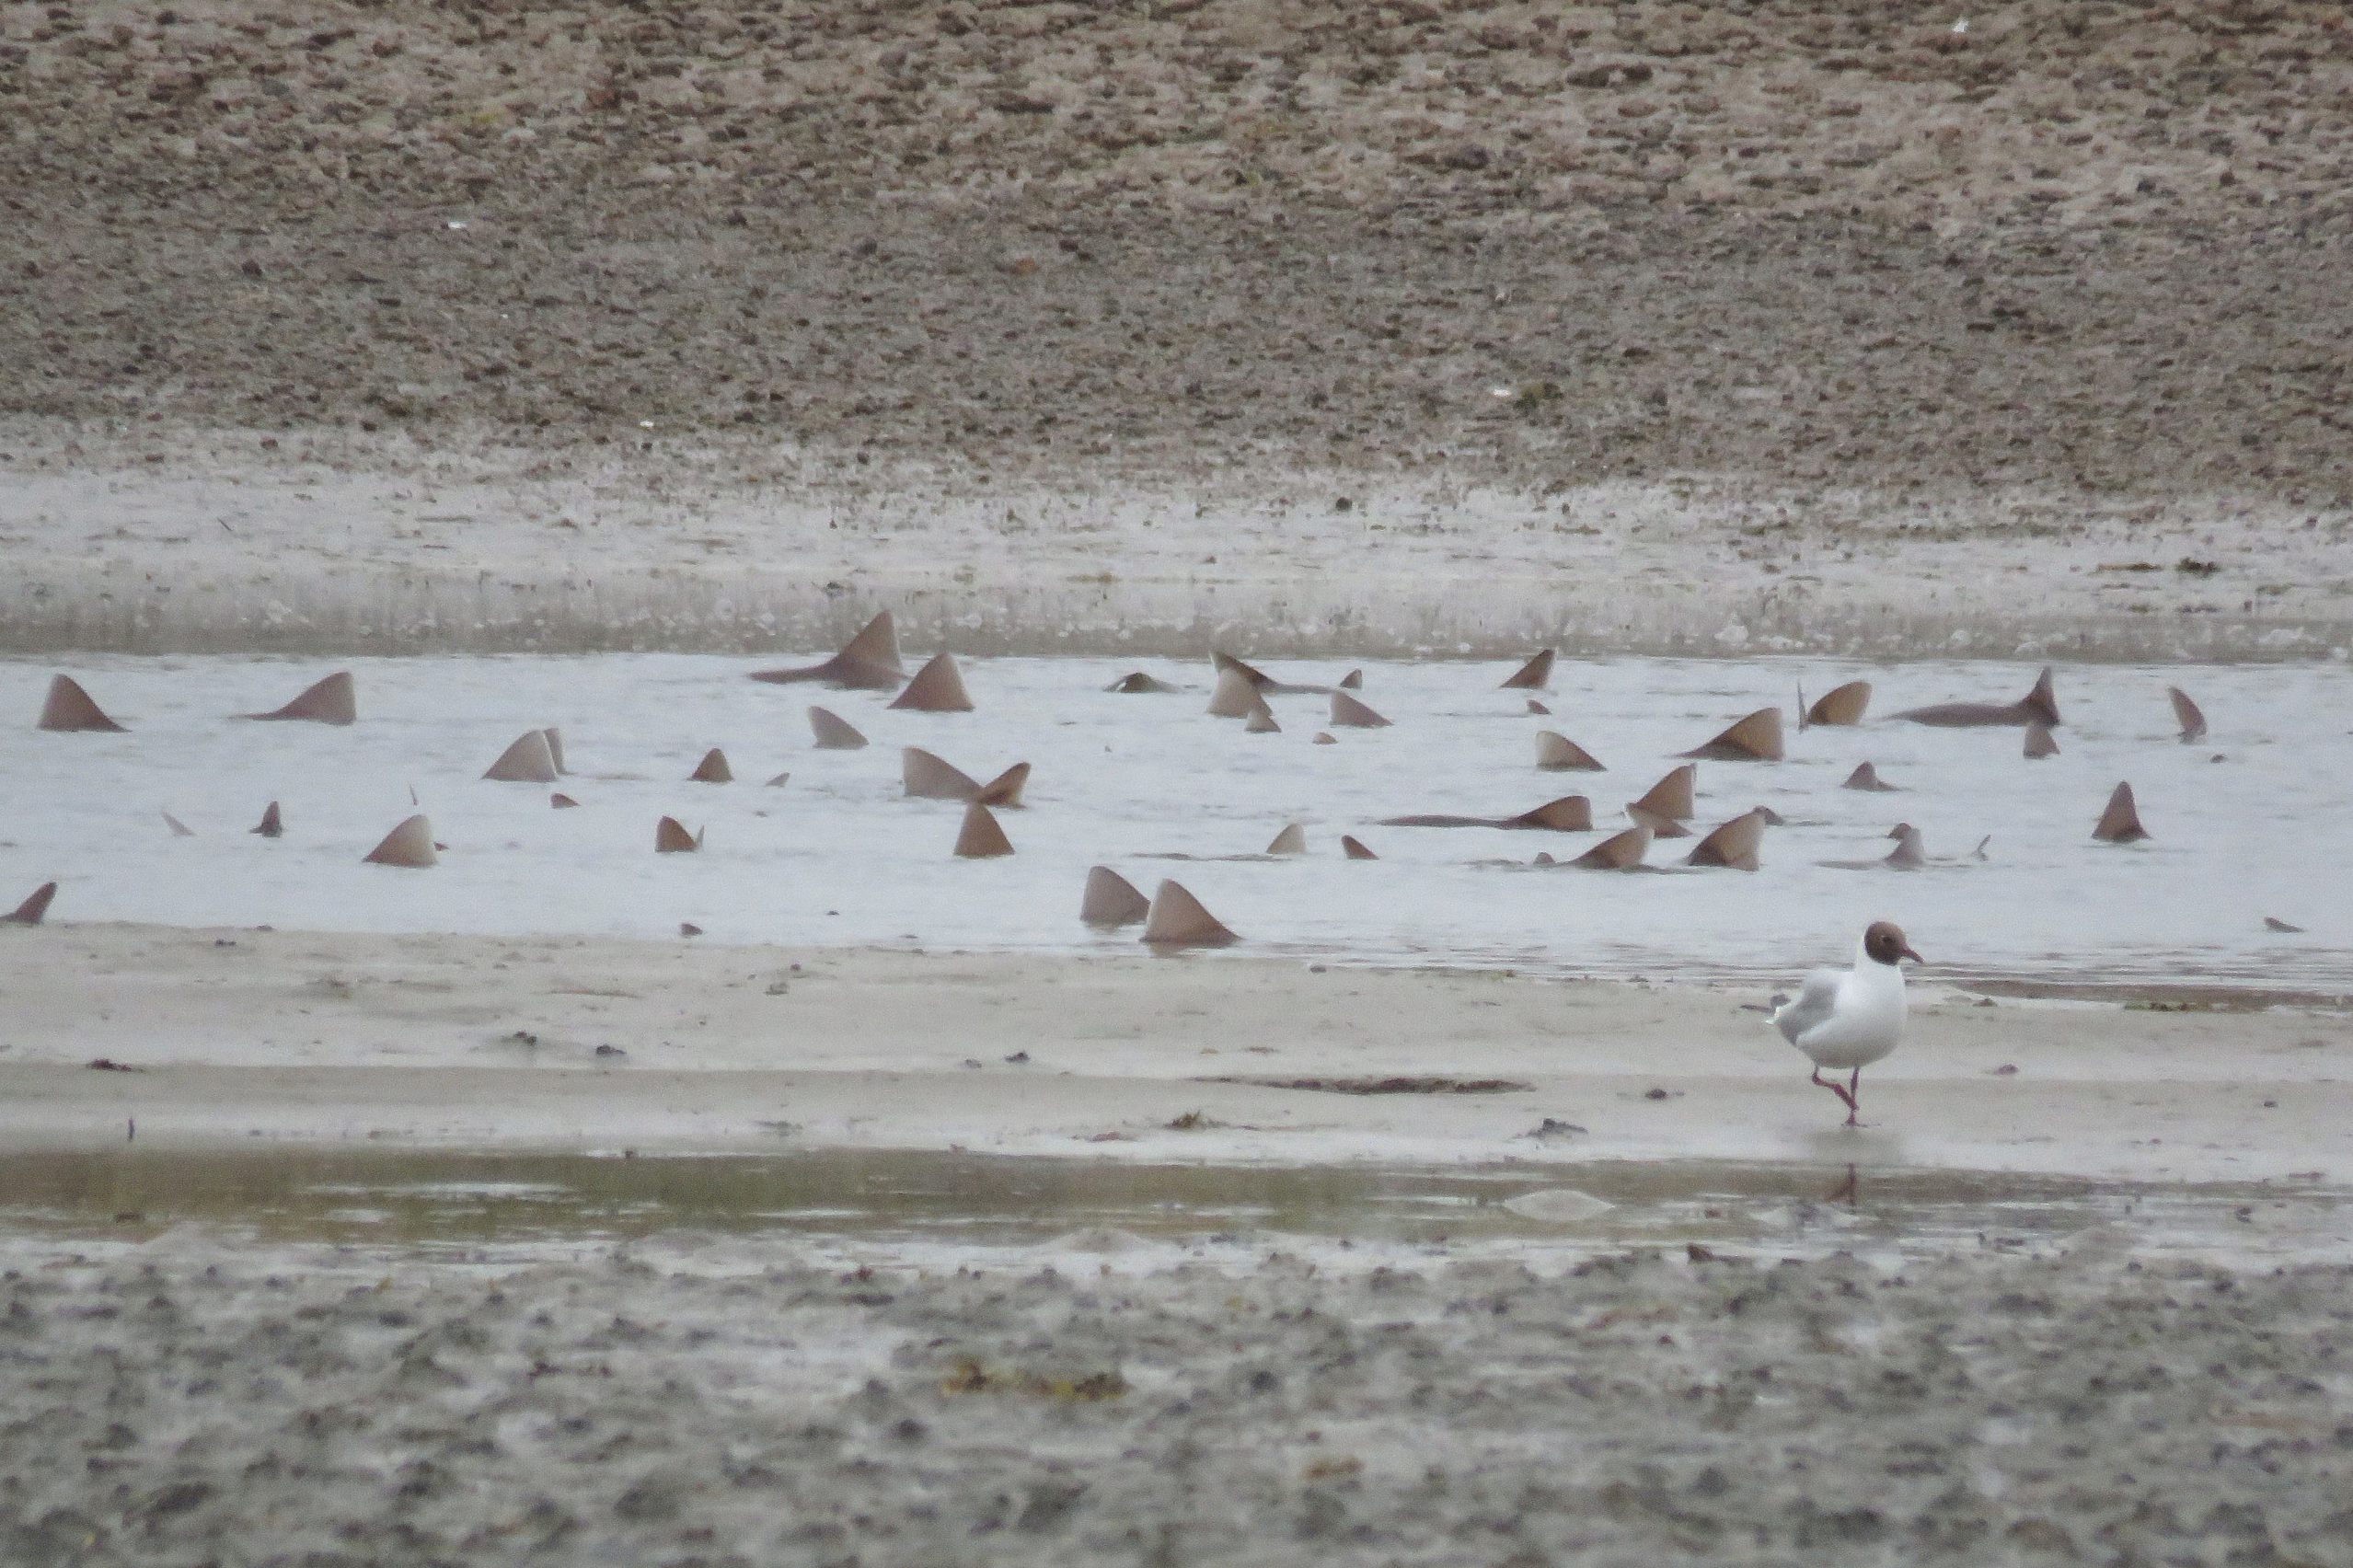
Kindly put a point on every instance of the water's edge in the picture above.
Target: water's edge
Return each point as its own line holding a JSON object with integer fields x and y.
{"x": 356, "y": 613}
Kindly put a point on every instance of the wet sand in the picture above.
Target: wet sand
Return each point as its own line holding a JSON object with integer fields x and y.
{"x": 319, "y": 1039}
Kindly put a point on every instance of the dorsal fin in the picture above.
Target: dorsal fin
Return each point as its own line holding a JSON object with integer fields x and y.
{"x": 1355, "y": 849}
{"x": 1534, "y": 675}
{"x": 1292, "y": 840}
{"x": 1910, "y": 852}
{"x": 926, "y": 777}
{"x": 1735, "y": 844}
{"x": 324, "y": 702}
{"x": 1136, "y": 682}
{"x": 70, "y": 708}
{"x": 1260, "y": 720}
{"x": 876, "y": 644}
{"x": 937, "y": 688}
{"x": 1570, "y": 814}
{"x": 834, "y": 732}
{"x": 1671, "y": 796}
{"x": 1756, "y": 738}
{"x": 1235, "y": 697}
{"x": 1111, "y": 900}
{"x": 1325, "y": 738}
{"x": 562, "y": 802}
{"x": 527, "y": 761}
{"x": 2120, "y": 823}
{"x": 178, "y": 828}
{"x": 29, "y": 911}
{"x": 1353, "y": 681}
{"x": 2039, "y": 741}
{"x": 778, "y": 782}
{"x": 2193, "y": 722}
{"x": 869, "y": 662}
{"x": 1349, "y": 713}
{"x": 272, "y": 825}
{"x": 1558, "y": 754}
{"x": 980, "y": 837}
{"x": 1866, "y": 776}
{"x": 2042, "y": 701}
{"x": 410, "y": 845}
{"x": 1004, "y": 789}
{"x": 1839, "y": 704}
{"x": 671, "y": 837}
{"x": 1618, "y": 852}
{"x": 1177, "y": 919}
{"x": 1226, "y": 664}
{"x": 712, "y": 769}
{"x": 1539, "y": 709}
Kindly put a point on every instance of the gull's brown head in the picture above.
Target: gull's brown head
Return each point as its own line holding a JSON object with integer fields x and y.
{"x": 1883, "y": 942}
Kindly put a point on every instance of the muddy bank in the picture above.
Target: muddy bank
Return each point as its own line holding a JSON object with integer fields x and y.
{"x": 1828, "y": 245}
{"x": 1812, "y": 281}
{"x": 676, "y": 1405}
{"x": 179, "y": 541}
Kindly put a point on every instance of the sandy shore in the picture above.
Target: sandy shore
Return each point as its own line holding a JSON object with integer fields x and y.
{"x": 447, "y": 1041}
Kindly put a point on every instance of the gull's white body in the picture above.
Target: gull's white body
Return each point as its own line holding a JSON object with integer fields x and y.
{"x": 1847, "y": 1018}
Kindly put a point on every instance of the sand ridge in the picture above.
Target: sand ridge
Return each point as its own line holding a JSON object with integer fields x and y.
{"x": 449, "y": 1040}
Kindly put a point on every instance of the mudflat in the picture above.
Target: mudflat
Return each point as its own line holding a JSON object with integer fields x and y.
{"x": 1870, "y": 329}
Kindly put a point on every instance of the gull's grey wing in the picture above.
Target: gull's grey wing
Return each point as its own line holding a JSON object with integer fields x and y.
{"x": 1813, "y": 1005}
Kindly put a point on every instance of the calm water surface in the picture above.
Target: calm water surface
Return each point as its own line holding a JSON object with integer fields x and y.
{"x": 2255, "y": 821}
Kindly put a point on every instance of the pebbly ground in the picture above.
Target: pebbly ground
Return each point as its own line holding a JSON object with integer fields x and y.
{"x": 1971, "y": 1410}
{"x": 2088, "y": 246}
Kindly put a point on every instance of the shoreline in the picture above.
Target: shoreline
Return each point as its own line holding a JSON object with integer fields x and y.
{"x": 309, "y": 1038}
{"x": 174, "y": 540}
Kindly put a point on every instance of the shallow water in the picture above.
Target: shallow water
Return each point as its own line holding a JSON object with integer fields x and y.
{"x": 912, "y": 1206}
{"x": 2255, "y": 821}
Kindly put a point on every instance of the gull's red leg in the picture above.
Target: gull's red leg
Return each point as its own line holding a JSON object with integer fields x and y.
{"x": 1854, "y": 1097}
{"x": 1839, "y": 1090}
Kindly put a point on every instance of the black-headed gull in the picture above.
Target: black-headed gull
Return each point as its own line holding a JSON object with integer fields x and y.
{"x": 1848, "y": 1018}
